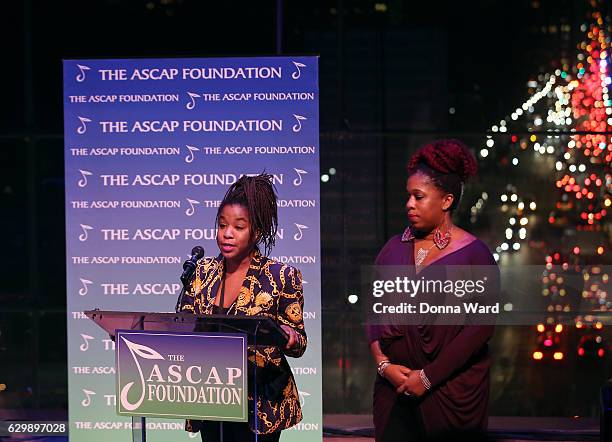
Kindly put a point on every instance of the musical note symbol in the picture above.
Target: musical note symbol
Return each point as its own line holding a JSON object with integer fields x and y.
{"x": 86, "y": 283}
{"x": 86, "y": 228}
{"x": 298, "y": 127}
{"x": 295, "y": 75}
{"x": 83, "y": 127}
{"x": 87, "y": 401}
{"x": 298, "y": 236}
{"x": 86, "y": 339}
{"x": 189, "y": 158}
{"x": 191, "y": 104}
{"x": 303, "y": 395}
{"x": 81, "y": 77}
{"x": 84, "y": 174}
{"x": 191, "y": 210}
{"x": 298, "y": 180}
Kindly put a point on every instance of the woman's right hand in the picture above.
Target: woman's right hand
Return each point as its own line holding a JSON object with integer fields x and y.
{"x": 396, "y": 374}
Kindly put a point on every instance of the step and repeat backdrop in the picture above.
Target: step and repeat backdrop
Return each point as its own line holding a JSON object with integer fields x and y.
{"x": 151, "y": 146}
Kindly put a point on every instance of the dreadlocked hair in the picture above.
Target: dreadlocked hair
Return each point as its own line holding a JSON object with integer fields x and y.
{"x": 448, "y": 163}
{"x": 258, "y": 195}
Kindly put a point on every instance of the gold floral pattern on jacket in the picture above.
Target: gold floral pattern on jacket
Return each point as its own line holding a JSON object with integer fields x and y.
{"x": 269, "y": 289}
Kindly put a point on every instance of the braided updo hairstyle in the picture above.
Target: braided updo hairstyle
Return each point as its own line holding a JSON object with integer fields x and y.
{"x": 258, "y": 195}
{"x": 448, "y": 163}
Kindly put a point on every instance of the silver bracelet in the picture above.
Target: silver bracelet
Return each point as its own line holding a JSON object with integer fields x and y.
{"x": 425, "y": 380}
{"x": 382, "y": 366}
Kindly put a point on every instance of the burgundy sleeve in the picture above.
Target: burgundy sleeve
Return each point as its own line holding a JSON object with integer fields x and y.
{"x": 374, "y": 331}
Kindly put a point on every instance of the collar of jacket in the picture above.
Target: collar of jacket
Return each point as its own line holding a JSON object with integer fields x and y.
{"x": 250, "y": 286}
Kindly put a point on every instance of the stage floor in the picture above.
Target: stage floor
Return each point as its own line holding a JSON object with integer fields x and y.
{"x": 359, "y": 428}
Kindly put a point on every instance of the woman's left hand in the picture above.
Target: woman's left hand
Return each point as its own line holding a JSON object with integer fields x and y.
{"x": 292, "y": 336}
{"x": 412, "y": 385}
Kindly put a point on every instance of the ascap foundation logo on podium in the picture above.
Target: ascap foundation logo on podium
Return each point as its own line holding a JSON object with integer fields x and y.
{"x": 182, "y": 375}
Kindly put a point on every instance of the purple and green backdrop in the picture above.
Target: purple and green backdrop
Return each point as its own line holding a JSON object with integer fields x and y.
{"x": 151, "y": 145}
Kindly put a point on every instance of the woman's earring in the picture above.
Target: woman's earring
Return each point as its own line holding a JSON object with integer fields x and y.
{"x": 441, "y": 240}
{"x": 408, "y": 235}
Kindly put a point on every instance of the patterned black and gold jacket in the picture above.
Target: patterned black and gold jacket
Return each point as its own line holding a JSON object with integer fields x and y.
{"x": 269, "y": 289}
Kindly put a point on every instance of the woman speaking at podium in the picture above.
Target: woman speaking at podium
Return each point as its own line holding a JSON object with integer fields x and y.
{"x": 243, "y": 281}
{"x": 433, "y": 380}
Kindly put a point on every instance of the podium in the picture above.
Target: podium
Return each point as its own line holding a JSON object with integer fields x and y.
{"x": 217, "y": 339}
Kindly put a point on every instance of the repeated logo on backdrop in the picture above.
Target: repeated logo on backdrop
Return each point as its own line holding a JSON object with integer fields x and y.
{"x": 151, "y": 146}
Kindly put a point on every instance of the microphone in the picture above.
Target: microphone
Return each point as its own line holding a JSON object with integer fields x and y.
{"x": 189, "y": 267}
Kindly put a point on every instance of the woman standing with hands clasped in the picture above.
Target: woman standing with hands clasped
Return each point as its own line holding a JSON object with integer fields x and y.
{"x": 432, "y": 380}
{"x": 243, "y": 281}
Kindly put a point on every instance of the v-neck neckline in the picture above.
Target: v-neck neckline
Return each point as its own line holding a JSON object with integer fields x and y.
{"x": 413, "y": 262}
{"x": 253, "y": 270}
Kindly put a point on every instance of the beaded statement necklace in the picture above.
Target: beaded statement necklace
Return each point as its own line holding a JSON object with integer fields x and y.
{"x": 440, "y": 240}
{"x": 421, "y": 255}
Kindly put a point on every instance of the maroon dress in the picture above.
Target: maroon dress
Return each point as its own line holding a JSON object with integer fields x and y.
{"x": 455, "y": 358}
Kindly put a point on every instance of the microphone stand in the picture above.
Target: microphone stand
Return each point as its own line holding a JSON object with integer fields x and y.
{"x": 187, "y": 276}
{"x": 179, "y": 302}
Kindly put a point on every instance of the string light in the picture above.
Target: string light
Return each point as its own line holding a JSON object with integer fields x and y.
{"x": 575, "y": 98}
